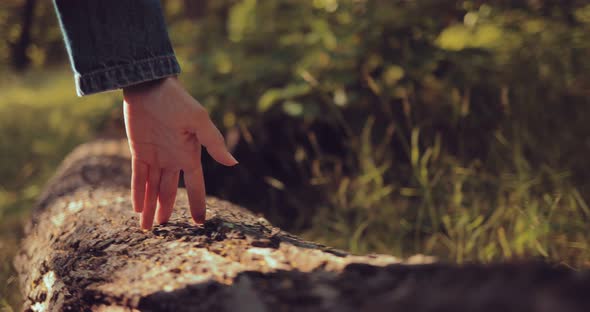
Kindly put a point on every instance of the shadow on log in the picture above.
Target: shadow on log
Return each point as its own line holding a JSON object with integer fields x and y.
{"x": 84, "y": 251}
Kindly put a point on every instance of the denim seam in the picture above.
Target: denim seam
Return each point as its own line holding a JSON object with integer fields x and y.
{"x": 120, "y": 76}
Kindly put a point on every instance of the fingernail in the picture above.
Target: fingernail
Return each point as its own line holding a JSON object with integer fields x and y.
{"x": 234, "y": 159}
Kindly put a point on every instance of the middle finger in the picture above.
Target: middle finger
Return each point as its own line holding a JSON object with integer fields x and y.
{"x": 151, "y": 196}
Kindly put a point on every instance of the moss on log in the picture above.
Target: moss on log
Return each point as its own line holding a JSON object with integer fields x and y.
{"x": 84, "y": 251}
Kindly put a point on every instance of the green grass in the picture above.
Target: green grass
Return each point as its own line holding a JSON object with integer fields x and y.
{"x": 41, "y": 120}
{"x": 458, "y": 212}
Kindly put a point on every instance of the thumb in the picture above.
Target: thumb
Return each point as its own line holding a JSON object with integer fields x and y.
{"x": 210, "y": 137}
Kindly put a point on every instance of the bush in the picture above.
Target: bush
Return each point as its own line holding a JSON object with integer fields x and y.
{"x": 452, "y": 128}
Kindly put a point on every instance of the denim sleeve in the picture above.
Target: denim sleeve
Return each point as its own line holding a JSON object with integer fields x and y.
{"x": 115, "y": 43}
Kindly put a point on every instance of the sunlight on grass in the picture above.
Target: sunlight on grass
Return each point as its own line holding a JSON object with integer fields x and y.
{"x": 455, "y": 212}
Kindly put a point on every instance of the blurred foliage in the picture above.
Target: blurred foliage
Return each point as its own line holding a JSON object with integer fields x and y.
{"x": 451, "y": 128}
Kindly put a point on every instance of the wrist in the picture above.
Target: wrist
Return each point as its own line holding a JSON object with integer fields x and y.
{"x": 144, "y": 86}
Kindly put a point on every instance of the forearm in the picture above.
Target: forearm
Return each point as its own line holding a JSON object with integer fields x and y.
{"x": 113, "y": 44}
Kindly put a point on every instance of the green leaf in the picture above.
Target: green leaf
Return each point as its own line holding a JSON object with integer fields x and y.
{"x": 293, "y": 108}
{"x": 242, "y": 20}
{"x": 392, "y": 75}
{"x": 271, "y": 96}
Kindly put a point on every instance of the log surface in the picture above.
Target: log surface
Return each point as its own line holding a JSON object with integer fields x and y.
{"x": 84, "y": 251}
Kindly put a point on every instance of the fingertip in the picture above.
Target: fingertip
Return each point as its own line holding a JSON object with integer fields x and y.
{"x": 137, "y": 207}
{"x": 138, "y": 184}
{"x": 222, "y": 156}
{"x": 145, "y": 223}
{"x": 195, "y": 189}
{"x": 199, "y": 220}
{"x": 162, "y": 217}
{"x": 162, "y": 222}
{"x": 234, "y": 161}
{"x": 210, "y": 137}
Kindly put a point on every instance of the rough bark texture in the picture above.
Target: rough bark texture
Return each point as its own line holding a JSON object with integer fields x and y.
{"x": 85, "y": 252}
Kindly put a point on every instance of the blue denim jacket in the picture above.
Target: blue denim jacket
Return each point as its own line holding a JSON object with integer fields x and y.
{"x": 115, "y": 43}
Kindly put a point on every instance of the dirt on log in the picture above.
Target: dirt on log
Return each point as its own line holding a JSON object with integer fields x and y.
{"x": 84, "y": 251}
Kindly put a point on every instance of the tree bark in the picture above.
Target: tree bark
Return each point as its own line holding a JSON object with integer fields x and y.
{"x": 84, "y": 251}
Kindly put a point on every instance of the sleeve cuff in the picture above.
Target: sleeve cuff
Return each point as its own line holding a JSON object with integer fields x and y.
{"x": 121, "y": 76}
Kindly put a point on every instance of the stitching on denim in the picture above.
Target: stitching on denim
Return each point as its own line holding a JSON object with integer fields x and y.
{"x": 171, "y": 56}
{"x": 115, "y": 77}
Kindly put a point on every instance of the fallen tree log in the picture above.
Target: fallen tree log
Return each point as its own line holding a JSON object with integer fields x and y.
{"x": 84, "y": 251}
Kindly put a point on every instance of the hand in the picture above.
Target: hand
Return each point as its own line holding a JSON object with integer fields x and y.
{"x": 166, "y": 128}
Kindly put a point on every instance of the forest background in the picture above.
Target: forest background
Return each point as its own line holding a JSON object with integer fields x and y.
{"x": 450, "y": 128}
